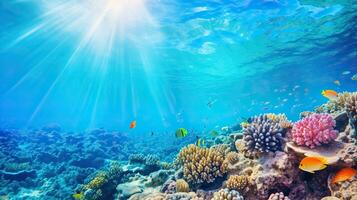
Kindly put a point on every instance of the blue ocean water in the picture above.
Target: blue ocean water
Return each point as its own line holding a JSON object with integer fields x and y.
{"x": 87, "y": 64}
{"x": 74, "y": 74}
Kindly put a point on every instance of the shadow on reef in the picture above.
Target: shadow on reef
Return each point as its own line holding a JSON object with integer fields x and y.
{"x": 258, "y": 162}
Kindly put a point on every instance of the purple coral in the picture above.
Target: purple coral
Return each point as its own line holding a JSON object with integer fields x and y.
{"x": 314, "y": 130}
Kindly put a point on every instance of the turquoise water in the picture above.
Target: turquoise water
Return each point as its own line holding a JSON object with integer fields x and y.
{"x": 89, "y": 64}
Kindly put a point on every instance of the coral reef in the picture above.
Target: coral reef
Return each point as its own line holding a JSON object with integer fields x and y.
{"x": 201, "y": 165}
{"x": 351, "y": 109}
{"x": 278, "y": 196}
{"x": 237, "y": 182}
{"x": 346, "y": 190}
{"x": 263, "y": 134}
{"x": 182, "y": 186}
{"x": 314, "y": 130}
{"x": 232, "y": 157}
{"x": 226, "y": 194}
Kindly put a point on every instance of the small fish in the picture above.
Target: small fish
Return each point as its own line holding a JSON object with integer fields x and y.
{"x": 152, "y": 133}
{"x": 266, "y": 103}
{"x": 330, "y": 94}
{"x": 312, "y": 164}
{"x": 244, "y": 124}
{"x": 285, "y": 100}
{"x": 346, "y": 72}
{"x": 181, "y": 132}
{"x": 265, "y": 108}
{"x": 210, "y": 103}
{"x": 78, "y": 196}
{"x": 354, "y": 77}
{"x": 132, "y": 124}
{"x": 344, "y": 174}
{"x": 214, "y": 133}
{"x": 337, "y": 82}
{"x": 200, "y": 142}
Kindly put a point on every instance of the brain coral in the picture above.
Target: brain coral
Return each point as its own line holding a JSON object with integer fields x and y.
{"x": 182, "y": 186}
{"x": 314, "y": 130}
{"x": 237, "y": 182}
{"x": 278, "y": 196}
{"x": 226, "y": 194}
{"x": 201, "y": 165}
{"x": 263, "y": 134}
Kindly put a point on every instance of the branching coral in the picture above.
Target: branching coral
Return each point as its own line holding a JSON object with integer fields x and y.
{"x": 182, "y": 186}
{"x": 263, "y": 135}
{"x": 237, "y": 182}
{"x": 98, "y": 181}
{"x": 278, "y": 196}
{"x": 201, "y": 165}
{"x": 226, "y": 194}
{"x": 232, "y": 157}
{"x": 314, "y": 130}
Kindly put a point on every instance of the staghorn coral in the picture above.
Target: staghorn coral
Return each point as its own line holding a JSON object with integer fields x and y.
{"x": 278, "y": 196}
{"x": 222, "y": 149}
{"x": 182, "y": 186}
{"x": 226, "y": 194}
{"x": 166, "y": 165}
{"x": 314, "y": 130}
{"x": 237, "y": 182}
{"x": 201, "y": 165}
{"x": 263, "y": 135}
{"x": 232, "y": 157}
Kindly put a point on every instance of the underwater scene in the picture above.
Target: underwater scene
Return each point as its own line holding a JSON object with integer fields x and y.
{"x": 178, "y": 100}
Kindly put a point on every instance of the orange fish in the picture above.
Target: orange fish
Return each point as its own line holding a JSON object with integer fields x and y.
{"x": 132, "y": 124}
{"x": 330, "y": 94}
{"x": 344, "y": 174}
{"x": 312, "y": 164}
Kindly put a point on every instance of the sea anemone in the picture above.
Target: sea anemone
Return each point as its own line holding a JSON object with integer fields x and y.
{"x": 263, "y": 134}
{"x": 314, "y": 130}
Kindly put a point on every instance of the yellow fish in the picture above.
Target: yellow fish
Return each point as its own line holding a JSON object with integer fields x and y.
{"x": 312, "y": 164}
{"x": 200, "y": 142}
{"x": 337, "y": 82}
{"x": 78, "y": 196}
{"x": 344, "y": 174}
{"x": 244, "y": 124}
{"x": 181, "y": 132}
{"x": 330, "y": 94}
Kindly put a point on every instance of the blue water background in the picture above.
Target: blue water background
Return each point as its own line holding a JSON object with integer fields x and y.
{"x": 248, "y": 57}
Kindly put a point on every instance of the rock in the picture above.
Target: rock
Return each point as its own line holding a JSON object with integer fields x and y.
{"x": 126, "y": 190}
{"x": 341, "y": 121}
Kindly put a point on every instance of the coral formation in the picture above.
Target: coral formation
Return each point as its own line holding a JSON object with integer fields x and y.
{"x": 232, "y": 157}
{"x": 201, "y": 165}
{"x": 237, "y": 182}
{"x": 278, "y": 196}
{"x": 137, "y": 158}
{"x": 263, "y": 134}
{"x": 351, "y": 109}
{"x": 182, "y": 186}
{"x": 314, "y": 130}
{"x": 226, "y": 194}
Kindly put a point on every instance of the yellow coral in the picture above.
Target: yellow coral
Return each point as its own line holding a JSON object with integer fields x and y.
{"x": 182, "y": 186}
{"x": 237, "y": 182}
{"x": 98, "y": 181}
{"x": 201, "y": 164}
{"x": 232, "y": 157}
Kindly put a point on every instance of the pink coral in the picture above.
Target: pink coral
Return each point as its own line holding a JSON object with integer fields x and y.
{"x": 314, "y": 130}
